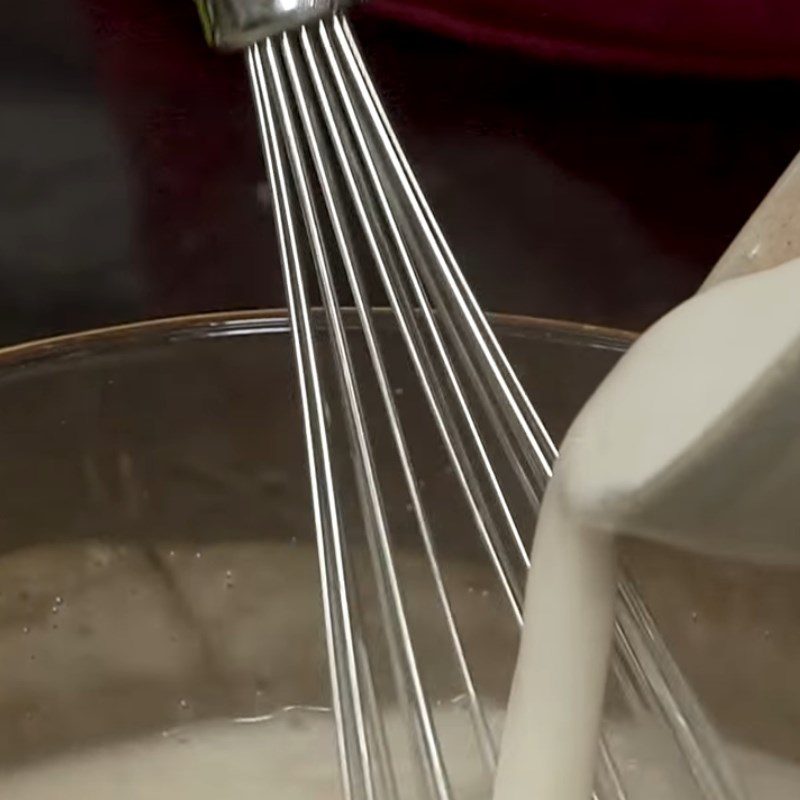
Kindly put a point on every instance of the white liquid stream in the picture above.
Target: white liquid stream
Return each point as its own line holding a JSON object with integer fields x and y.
{"x": 553, "y": 720}
{"x": 706, "y": 396}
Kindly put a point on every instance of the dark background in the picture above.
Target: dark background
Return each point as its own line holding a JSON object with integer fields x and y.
{"x": 132, "y": 185}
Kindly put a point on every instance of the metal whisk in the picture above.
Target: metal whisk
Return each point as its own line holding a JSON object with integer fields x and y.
{"x": 350, "y": 215}
{"x": 313, "y": 84}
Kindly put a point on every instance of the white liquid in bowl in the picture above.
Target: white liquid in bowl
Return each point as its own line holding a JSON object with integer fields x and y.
{"x": 289, "y": 756}
{"x": 292, "y": 755}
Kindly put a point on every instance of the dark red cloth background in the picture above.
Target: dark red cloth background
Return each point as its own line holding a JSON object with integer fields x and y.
{"x": 752, "y": 38}
{"x": 749, "y": 38}
{"x": 185, "y": 116}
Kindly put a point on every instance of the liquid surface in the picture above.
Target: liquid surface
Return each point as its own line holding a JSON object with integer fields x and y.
{"x": 288, "y": 755}
{"x": 291, "y": 754}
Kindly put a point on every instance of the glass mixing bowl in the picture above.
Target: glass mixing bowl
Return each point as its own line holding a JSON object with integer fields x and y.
{"x": 161, "y": 630}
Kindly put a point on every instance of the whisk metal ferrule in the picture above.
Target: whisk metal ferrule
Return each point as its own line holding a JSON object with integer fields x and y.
{"x": 236, "y": 24}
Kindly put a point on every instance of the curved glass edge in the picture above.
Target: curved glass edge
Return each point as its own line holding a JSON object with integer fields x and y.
{"x": 267, "y": 321}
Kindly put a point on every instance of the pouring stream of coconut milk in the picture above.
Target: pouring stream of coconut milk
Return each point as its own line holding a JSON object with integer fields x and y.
{"x": 693, "y": 440}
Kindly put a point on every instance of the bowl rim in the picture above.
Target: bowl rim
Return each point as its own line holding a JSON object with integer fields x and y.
{"x": 277, "y": 318}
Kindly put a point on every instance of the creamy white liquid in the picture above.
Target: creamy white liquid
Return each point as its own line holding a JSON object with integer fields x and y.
{"x": 551, "y": 731}
{"x": 290, "y": 755}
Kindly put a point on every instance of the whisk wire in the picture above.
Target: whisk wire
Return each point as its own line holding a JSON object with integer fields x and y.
{"x": 353, "y": 694}
{"x": 354, "y": 761}
{"x": 531, "y": 428}
{"x": 398, "y": 635}
{"x": 461, "y": 462}
{"x": 350, "y": 263}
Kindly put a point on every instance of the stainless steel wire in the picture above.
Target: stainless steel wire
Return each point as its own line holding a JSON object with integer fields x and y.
{"x": 346, "y": 203}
